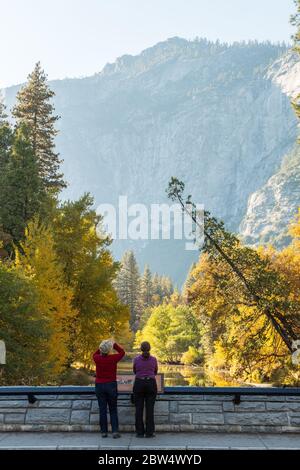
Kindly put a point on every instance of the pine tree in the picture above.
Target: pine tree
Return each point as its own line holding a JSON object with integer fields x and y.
{"x": 162, "y": 289}
{"x": 189, "y": 281}
{"x": 5, "y": 137}
{"x": 146, "y": 288}
{"x": 34, "y": 108}
{"x": 128, "y": 286}
{"x": 3, "y": 115}
{"x": 21, "y": 192}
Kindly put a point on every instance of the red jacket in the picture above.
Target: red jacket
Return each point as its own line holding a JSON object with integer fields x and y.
{"x": 106, "y": 366}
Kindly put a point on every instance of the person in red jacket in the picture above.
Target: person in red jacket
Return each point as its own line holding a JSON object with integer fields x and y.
{"x": 106, "y": 384}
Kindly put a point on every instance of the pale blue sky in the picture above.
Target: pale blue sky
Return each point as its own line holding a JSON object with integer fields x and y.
{"x": 78, "y": 37}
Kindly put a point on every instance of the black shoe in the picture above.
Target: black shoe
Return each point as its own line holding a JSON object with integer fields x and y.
{"x": 150, "y": 435}
{"x": 116, "y": 435}
{"x": 104, "y": 434}
{"x": 139, "y": 435}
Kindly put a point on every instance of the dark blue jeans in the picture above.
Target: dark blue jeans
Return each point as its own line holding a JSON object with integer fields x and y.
{"x": 107, "y": 395}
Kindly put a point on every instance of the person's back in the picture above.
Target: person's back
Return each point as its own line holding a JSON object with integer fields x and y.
{"x": 106, "y": 365}
{"x": 145, "y": 366}
{"x": 145, "y": 390}
{"x": 106, "y": 384}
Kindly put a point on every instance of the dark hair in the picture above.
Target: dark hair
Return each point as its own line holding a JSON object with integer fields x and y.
{"x": 145, "y": 348}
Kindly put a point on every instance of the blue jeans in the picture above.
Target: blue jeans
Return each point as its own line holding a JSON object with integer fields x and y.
{"x": 107, "y": 394}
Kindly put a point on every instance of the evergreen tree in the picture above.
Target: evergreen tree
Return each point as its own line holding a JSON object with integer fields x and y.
{"x": 162, "y": 289}
{"x": 128, "y": 286}
{"x": 6, "y": 134}
{"x": 21, "y": 194}
{"x": 5, "y": 138}
{"x": 34, "y": 108}
{"x": 146, "y": 287}
{"x": 189, "y": 281}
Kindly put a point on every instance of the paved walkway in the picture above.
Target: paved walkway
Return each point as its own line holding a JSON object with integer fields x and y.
{"x": 180, "y": 441}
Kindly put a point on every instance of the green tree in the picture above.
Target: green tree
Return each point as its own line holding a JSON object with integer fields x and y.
{"x": 34, "y": 108}
{"x": 162, "y": 289}
{"x": 22, "y": 194}
{"x": 23, "y": 328}
{"x": 260, "y": 285}
{"x": 38, "y": 260}
{"x": 128, "y": 286}
{"x": 6, "y": 135}
{"x": 170, "y": 330}
{"x": 146, "y": 287}
{"x": 89, "y": 271}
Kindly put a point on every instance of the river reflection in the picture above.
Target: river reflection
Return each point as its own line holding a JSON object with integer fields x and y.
{"x": 179, "y": 375}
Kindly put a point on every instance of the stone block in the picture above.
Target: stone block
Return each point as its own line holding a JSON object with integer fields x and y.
{"x": 173, "y": 406}
{"x": 228, "y": 406}
{"x": 13, "y": 403}
{"x": 46, "y": 397}
{"x": 219, "y": 398}
{"x": 53, "y": 404}
{"x": 180, "y": 418}
{"x": 12, "y": 397}
{"x": 48, "y": 416}
{"x": 161, "y": 408}
{"x": 81, "y": 404}
{"x": 161, "y": 419}
{"x": 94, "y": 418}
{"x": 11, "y": 418}
{"x": 295, "y": 419}
{"x": 126, "y": 415}
{"x": 256, "y": 418}
{"x": 203, "y": 407}
{"x": 80, "y": 417}
{"x": 193, "y": 398}
{"x": 95, "y": 406}
{"x": 293, "y": 398}
{"x": 76, "y": 397}
{"x": 263, "y": 398}
{"x": 208, "y": 418}
{"x": 283, "y": 406}
{"x": 250, "y": 406}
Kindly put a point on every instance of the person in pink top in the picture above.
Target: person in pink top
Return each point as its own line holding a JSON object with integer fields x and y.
{"x": 145, "y": 390}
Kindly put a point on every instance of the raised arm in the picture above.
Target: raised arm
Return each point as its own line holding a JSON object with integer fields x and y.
{"x": 120, "y": 352}
{"x": 96, "y": 356}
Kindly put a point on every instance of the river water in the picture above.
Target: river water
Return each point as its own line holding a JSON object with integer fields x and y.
{"x": 176, "y": 375}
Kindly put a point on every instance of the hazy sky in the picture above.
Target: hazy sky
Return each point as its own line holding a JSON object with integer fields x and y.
{"x": 78, "y": 37}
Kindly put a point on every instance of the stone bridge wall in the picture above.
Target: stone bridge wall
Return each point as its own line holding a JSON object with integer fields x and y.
{"x": 178, "y": 412}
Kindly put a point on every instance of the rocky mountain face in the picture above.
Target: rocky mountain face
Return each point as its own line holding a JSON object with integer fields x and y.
{"x": 216, "y": 116}
{"x": 271, "y": 209}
